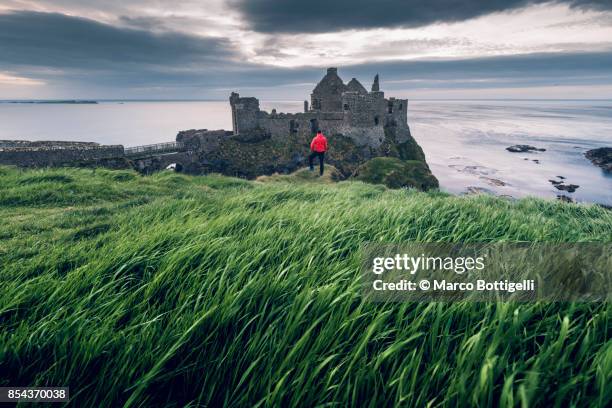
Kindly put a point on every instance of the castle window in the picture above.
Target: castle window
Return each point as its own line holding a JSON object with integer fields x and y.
{"x": 316, "y": 104}
{"x": 293, "y": 126}
{"x": 390, "y": 108}
{"x": 346, "y": 107}
{"x": 400, "y": 107}
{"x": 376, "y": 120}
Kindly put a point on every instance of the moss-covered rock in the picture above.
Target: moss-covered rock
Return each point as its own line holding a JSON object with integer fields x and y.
{"x": 396, "y": 173}
{"x": 400, "y": 143}
{"x": 254, "y": 155}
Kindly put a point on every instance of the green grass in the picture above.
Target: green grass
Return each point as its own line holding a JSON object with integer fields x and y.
{"x": 176, "y": 290}
{"x": 304, "y": 175}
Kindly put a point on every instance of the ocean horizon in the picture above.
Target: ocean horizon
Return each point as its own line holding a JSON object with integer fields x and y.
{"x": 464, "y": 140}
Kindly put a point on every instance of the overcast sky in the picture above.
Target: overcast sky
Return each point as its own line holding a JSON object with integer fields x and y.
{"x": 278, "y": 49}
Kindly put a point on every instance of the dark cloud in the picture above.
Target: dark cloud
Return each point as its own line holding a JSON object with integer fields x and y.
{"x": 555, "y": 66}
{"x": 490, "y": 72}
{"x": 294, "y": 16}
{"x": 59, "y": 41}
{"x": 81, "y": 57}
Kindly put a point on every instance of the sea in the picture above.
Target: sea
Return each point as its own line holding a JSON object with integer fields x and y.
{"x": 464, "y": 140}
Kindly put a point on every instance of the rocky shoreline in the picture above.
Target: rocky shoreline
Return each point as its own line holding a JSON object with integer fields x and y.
{"x": 601, "y": 157}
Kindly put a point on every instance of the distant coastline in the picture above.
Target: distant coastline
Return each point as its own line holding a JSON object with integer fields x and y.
{"x": 98, "y": 101}
{"x": 63, "y": 102}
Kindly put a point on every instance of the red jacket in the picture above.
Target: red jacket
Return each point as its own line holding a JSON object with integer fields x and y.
{"x": 319, "y": 143}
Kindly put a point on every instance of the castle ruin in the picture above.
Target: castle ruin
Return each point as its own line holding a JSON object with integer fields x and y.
{"x": 335, "y": 108}
{"x": 360, "y": 126}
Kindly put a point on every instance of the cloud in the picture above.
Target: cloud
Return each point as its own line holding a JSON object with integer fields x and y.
{"x": 10, "y": 79}
{"x": 78, "y": 57}
{"x": 54, "y": 40}
{"x": 299, "y": 16}
{"x": 555, "y": 66}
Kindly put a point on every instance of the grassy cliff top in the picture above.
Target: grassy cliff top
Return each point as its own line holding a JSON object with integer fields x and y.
{"x": 219, "y": 291}
{"x": 305, "y": 175}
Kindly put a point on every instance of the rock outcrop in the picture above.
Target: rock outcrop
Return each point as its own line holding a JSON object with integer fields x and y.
{"x": 396, "y": 173}
{"x": 601, "y": 157}
{"x": 524, "y": 149}
{"x": 250, "y": 157}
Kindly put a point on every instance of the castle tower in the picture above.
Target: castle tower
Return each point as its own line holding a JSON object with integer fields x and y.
{"x": 355, "y": 86}
{"x": 375, "y": 85}
{"x": 327, "y": 95}
{"x": 245, "y": 113}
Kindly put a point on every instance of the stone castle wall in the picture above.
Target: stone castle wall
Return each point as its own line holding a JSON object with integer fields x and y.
{"x": 58, "y": 155}
{"x": 336, "y": 109}
{"x": 46, "y": 144}
{"x": 363, "y": 120}
{"x": 364, "y": 110}
{"x": 291, "y": 125}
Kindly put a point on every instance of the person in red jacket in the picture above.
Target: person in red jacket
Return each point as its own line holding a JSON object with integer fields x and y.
{"x": 318, "y": 147}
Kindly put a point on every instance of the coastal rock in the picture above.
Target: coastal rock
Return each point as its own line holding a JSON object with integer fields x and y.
{"x": 560, "y": 185}
{"x": 524, "y": 149}
{"x": 601, "y": 157}
{"x": 493, "y": 181}
{"x": 570, "y": 188}
{"x": 472, "y": 190}
{"x": 396, "y": 173}
{"x": 254, "y": 137}
{"x": 475, "y": 170}
{"x": 234, "y": 155}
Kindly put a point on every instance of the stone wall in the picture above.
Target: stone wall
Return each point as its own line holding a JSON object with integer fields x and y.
{"x": 396, "y": 112}
{"x": 364, "y": 110}
{"x": 202, "y": 139}
{"x": 307, "y": 124}
{"x": 56, "y": 156}
{"x": 363, "y": 119}
{"x": 291, "y": 125}
{"x": 188, "y": 162}
{"x": 46, "y": 144}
